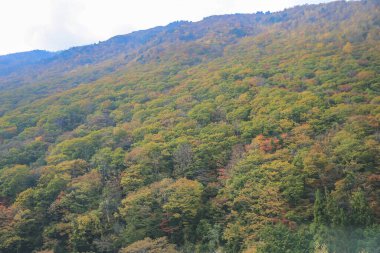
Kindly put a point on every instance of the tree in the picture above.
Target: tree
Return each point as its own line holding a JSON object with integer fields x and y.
{"x": 109, "y": 162}
{"x": 14, "y": 180}
{"x": 348, "y": 48}
{"x": 142, "y": 211}
{"x": 361, "y": 213}
{"x": 183, "y": 159}
{"x": 280, "y": 239}
{"x": 184, "y": 199}
{"x": 203, "y": 113}
{"x": 85, "y": 228}
{"x": 149, "y": 245}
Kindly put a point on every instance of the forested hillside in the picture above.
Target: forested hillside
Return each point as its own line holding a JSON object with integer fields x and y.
{"x": 238, "y": 133}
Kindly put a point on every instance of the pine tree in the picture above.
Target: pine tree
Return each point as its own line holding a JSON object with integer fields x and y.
{"x": 319, "y": 208}
{"x": 361, "y": 212}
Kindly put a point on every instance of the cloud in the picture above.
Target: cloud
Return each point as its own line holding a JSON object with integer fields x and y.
{"x": 63, "y": 28}
{"x": 60, "y": 24}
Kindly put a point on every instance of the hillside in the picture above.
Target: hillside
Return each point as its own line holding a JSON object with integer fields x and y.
{"x": 238, "y": 133}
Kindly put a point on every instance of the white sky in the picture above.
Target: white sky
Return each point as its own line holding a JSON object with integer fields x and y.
{"x": 60, "y": 24}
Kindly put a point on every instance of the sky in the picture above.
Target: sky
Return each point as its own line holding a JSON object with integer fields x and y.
{"x": 60, "y": 24}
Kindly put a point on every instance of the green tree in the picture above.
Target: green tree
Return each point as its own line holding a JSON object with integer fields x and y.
{"x": 14, "y": 180}
{"x": 149, "y": 245}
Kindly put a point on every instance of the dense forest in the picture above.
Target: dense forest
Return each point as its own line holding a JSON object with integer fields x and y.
{"x": 238, "y": 133}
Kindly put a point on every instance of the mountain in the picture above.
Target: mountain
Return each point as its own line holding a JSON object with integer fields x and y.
{"x": 238, "y": 133}
{"x": 14, "y": 62}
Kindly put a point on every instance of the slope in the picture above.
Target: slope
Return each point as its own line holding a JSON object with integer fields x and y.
{"x": 242, "y": 132}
